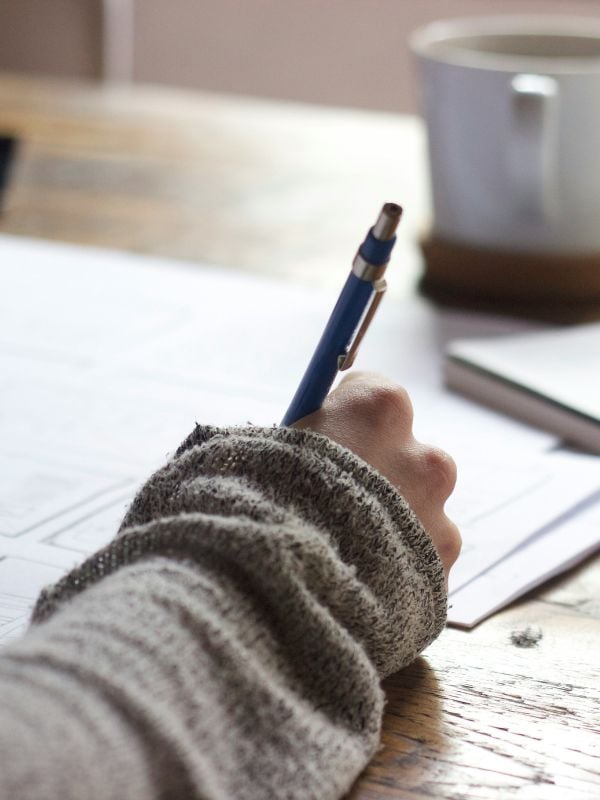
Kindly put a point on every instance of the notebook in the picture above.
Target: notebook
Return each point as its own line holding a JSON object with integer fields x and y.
{"x": 549, "y": 378}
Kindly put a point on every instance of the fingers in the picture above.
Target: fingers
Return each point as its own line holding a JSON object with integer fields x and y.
{"x": 448, "y": 542}
{"x": 438, "y": 472}
{"x": 373, "y": 417}
{"x": 375, "y": 400}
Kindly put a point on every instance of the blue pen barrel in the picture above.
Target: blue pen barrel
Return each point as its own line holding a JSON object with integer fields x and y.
{"x": 322, "y": 369}
{"x": 355, "y": 299}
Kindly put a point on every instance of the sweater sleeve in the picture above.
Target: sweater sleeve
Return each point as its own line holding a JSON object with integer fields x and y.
{"x": 230, "y": 641}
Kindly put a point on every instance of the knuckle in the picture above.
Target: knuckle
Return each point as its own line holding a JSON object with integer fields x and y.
{"x": 390, "y": 403}
{"x": 440, "y": 470}
{"x": 449, "y": 545}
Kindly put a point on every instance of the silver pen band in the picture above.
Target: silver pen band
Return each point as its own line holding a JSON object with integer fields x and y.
{"x": 366, "y": 271}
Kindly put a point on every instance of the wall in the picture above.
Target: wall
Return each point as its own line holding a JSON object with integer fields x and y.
{"x": 60, "y": 37}
{"x": 344, "y": 52}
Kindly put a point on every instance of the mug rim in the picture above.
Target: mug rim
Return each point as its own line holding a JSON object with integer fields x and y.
{"x": 434, "y": 42}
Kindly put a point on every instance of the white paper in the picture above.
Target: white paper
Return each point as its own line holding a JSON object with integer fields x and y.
{"x": 516, "y": 501}
{"x": 35, "y": 488}
{"x": 559, "y": 547}
{"x": 21, "y": 581}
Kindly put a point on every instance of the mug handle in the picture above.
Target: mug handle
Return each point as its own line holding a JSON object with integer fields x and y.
{"x": 532, "y": 145}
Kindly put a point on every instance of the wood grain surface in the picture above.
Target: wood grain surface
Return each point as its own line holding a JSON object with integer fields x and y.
{"x": 282, "y": 190}
{"x": 276, "y": 188}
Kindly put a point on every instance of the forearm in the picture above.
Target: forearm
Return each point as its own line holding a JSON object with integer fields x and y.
{"x": 170, "y": 683}
{"x": 273, "y": 579}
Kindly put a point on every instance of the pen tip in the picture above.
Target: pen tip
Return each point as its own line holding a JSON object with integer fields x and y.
{"x": 392, "y": 210}
{"x": 387, "y": 222}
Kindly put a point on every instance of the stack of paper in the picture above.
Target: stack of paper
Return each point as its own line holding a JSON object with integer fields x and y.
{"x": 107, "y": 361}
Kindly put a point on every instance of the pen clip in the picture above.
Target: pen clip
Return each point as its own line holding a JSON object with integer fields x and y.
{"x": 346, "y": 360}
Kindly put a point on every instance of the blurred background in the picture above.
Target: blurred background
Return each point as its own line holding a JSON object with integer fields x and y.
{"x": 338, "y": 52}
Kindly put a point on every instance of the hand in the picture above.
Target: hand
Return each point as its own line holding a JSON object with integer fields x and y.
{"x": 373, "y": 417}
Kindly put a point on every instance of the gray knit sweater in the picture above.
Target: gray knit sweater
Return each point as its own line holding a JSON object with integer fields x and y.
{"x": 229, "y": 643}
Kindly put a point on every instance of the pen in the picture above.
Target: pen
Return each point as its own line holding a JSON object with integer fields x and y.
{"x": 358, "y": 301}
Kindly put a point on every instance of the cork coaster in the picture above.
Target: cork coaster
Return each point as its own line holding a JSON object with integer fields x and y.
{"x": 554, "y": 287}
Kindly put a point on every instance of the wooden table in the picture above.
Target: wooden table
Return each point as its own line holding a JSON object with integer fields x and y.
{"x": 283, "y": 189}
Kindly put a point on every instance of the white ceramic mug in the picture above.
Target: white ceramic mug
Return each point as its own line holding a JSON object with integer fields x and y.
{"x": 512, "y": 106}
